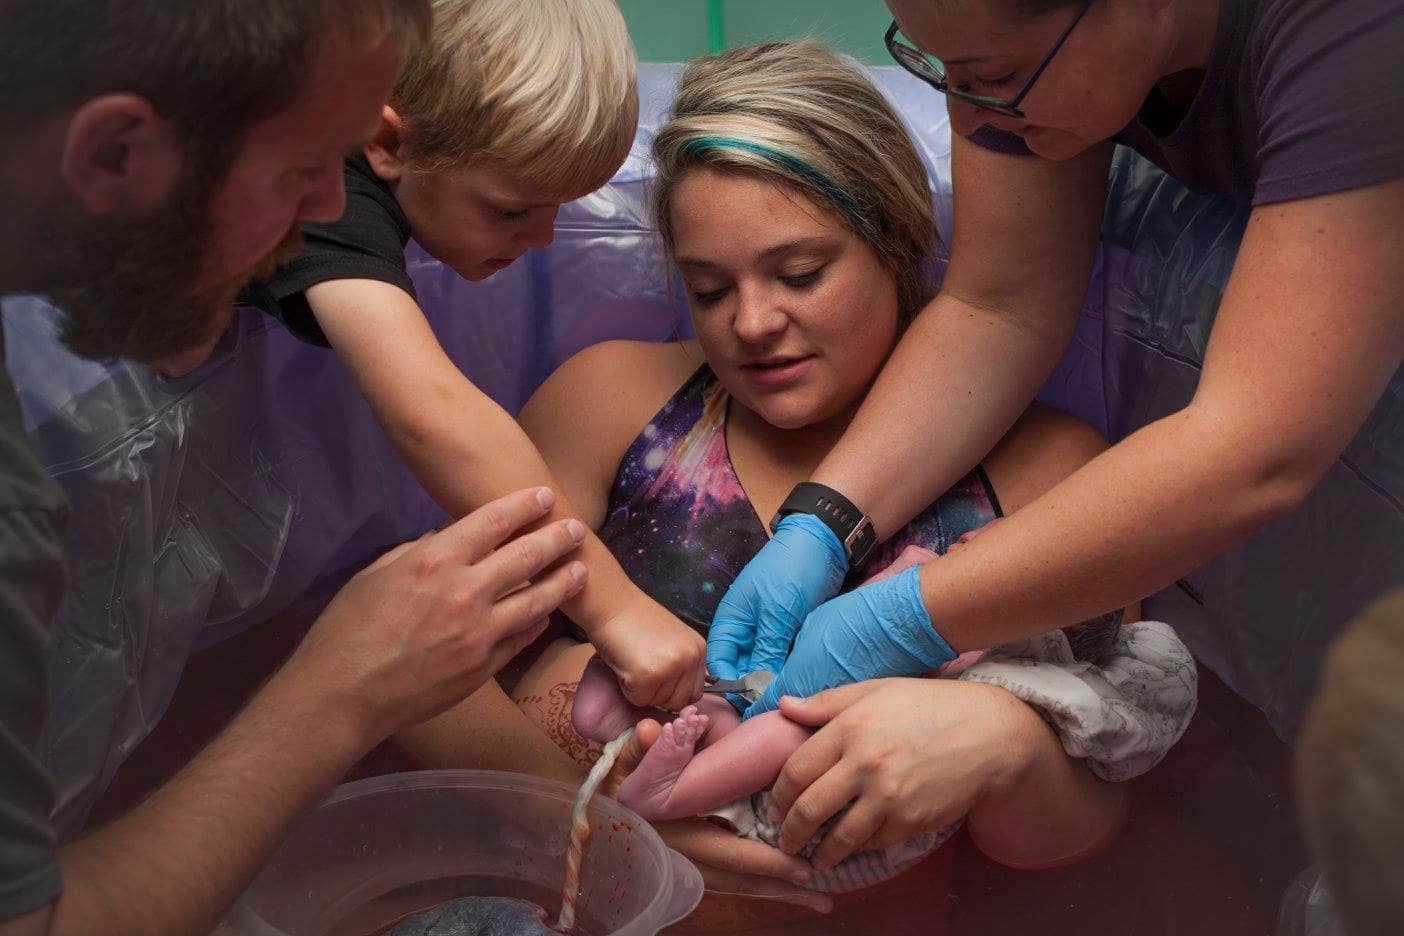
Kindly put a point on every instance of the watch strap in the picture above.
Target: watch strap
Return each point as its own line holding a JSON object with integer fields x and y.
{"x": 838, "y": 513}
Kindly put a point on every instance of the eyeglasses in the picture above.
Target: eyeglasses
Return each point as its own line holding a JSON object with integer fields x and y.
{"x": 933, "y": 73}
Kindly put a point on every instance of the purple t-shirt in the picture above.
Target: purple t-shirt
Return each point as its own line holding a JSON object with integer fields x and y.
{"x": 1300, "y": 98}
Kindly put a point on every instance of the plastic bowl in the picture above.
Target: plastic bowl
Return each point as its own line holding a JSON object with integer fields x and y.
{"x": 379, "y": 849}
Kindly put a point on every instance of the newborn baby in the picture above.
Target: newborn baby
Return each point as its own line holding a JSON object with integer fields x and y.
{"x": 707, "y": 761}
{"x": 1117, "y": 696}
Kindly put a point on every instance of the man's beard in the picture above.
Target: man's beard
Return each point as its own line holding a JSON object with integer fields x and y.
{"x": 149, "y": 288}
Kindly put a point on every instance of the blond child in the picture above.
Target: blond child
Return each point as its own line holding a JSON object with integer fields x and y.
{"x": 514, "y": 108}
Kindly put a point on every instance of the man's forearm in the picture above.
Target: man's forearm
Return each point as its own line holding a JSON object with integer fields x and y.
{"x": 957, "y": 381}
{"x": 175, "y": 863}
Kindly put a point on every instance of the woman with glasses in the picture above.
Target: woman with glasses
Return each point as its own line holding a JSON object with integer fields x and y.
{"x": 1288, "y": 106}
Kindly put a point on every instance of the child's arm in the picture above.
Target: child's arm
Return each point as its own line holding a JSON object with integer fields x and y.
{"x": 466, "y": 450}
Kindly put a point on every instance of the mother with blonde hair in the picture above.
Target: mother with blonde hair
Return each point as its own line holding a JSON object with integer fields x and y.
{"x": 798, "y": 213}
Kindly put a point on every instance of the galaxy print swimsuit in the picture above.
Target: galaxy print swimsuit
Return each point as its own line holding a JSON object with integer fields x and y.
{"x": 682, "y": 527}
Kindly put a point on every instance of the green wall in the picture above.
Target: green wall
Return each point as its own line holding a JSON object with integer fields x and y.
{"x": 675, "y": 30}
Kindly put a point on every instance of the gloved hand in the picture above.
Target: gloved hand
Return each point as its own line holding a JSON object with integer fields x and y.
{"x": 801, "y": 567}
{"x": 875, "y": 631}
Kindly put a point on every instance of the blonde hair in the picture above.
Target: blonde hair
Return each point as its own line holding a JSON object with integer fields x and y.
{"x": 545, "y": 88}
{"x": 1350, "y": 770}
{"x": 797, "y": 114}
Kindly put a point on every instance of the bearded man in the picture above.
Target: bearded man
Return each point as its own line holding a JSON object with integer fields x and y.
{"x": 154, "y": 156}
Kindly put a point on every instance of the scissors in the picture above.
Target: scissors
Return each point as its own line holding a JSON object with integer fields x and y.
{"x": 748, "y": 687}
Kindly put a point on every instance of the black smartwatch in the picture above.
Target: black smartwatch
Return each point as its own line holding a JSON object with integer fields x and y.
{"x": 850, "y": 525}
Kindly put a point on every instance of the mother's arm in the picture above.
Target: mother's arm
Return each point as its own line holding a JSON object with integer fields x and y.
{"x": 918, "y": 754}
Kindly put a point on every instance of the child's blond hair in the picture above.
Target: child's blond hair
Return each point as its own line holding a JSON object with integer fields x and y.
{"x": 546, "y": 89}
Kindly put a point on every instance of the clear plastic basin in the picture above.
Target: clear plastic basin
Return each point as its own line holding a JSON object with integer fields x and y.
{"x": 377, "y": 850}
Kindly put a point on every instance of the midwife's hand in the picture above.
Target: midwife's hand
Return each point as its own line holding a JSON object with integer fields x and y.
{"x": 802, "y": 566}
{"x": 879, "y": 630}
{"x": 431, "y": 621}
{"x": 910, "y": 755}
{"x": 657, "y": 658}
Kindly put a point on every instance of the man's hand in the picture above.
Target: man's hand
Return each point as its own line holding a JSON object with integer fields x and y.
{"x": 430, "y": 621}
{"x": 802, "y": 566}
{"x": 657, "y": 658}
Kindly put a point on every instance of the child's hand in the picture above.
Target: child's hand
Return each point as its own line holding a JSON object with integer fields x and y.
{"x": 658, "y": 659}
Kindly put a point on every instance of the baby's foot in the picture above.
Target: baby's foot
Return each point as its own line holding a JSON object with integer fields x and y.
{"x": 599, "y": 711}
{"x": 647, "y": 789}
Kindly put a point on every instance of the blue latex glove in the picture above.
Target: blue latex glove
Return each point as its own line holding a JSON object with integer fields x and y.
{"x": 875, "y": 631}
{"x": 801, "y": 567}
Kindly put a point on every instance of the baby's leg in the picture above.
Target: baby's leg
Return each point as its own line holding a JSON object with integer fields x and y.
{"x": 601, "y": 713}
{"x": 675, "y": 780}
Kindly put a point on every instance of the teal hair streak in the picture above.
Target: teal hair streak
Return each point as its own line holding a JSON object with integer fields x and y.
{"x": 816, "y": 178}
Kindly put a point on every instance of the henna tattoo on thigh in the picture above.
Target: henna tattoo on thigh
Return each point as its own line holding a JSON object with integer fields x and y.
{"x": 551, "y": 711}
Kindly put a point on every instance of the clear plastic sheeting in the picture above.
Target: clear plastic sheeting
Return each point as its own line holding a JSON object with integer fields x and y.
{"x": 1271, "y": 605}
{"x": 1308, "y": 909}
{"x": 199, "y": 506}
{"x": 204, "y": 505}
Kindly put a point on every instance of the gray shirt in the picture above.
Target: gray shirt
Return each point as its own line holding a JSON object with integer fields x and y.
{"x": 1300, "y": 98}
{"x": 33, "y": 512}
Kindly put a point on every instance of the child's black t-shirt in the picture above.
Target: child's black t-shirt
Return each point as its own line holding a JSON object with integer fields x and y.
{"x": 367, "y": 242}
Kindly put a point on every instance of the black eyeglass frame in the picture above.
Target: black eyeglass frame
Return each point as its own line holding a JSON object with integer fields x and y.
{"x": 916, "y": 62}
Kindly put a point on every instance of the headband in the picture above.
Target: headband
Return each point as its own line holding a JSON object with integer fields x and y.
{"x": 816, "y": 178}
